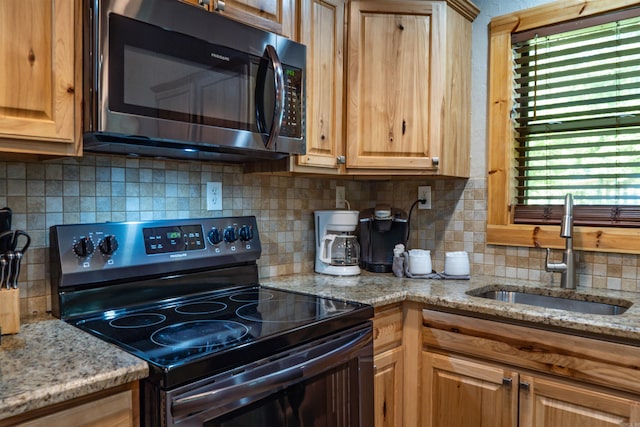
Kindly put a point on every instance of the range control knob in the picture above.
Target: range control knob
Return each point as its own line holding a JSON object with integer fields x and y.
{"x": 214, "y": 236}
{"x": 246, "y": 233}
{"x": 108, "y": 245}
{"x": 230, "y": 234}
{"x": 83, "y": 247}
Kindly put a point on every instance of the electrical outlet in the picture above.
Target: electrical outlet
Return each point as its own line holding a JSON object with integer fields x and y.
{"x": 424, "y": 192}
{"x": 214, "y": 196}
{"x": 340, "y": 197}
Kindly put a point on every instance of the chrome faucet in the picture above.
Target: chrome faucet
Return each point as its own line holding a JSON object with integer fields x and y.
{"x": 568, "y": 266}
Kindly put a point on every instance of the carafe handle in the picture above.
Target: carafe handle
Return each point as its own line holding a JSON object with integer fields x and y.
{"x": 325, "y": 254}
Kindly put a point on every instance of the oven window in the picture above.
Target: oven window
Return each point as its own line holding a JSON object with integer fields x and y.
{"x": 328, "y": 400}
{"x": 173, "y": 76}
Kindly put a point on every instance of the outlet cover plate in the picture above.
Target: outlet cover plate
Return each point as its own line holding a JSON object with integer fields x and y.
{"x": 424, "y": 192}
{"x": 214, "y": 196}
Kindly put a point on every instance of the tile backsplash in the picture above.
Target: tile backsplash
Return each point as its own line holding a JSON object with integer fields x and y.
{"x": 113, "y": 188}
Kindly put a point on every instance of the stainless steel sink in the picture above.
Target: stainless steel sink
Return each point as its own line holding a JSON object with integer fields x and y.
{"x": 558, "y": 302}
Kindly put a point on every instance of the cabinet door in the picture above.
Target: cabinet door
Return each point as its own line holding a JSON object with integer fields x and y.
{"x": 115, "y": 410}
{"x": 461, "y": 393}
{"x": 392, "y": 46}
{"x": 388, "y": 385}
{"x": 277, "y": 16}
{"x": 40, "y": 83}
{"x": 322, "y": 31}
{"x": 549, "y": 403}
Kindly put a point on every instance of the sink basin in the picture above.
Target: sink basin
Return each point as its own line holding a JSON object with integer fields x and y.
{"x": 567, "y": 303}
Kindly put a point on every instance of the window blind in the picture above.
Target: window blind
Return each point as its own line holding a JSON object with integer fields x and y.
{"x": 576, "y": 121}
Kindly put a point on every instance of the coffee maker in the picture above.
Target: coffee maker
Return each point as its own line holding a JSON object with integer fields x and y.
{"x": 381, "y": 229}
{"x": 337, "y": 247}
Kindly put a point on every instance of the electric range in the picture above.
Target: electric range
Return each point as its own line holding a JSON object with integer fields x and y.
{"x": 184, "y": 295}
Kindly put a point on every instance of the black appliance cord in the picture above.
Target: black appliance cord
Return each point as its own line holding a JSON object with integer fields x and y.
{"x": 406, "y": 240}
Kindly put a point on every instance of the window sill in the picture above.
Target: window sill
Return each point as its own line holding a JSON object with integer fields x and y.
{"x": 604, "y": 239}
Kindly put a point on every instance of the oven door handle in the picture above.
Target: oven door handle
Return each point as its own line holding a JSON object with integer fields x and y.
{"x": 325, "y": 356}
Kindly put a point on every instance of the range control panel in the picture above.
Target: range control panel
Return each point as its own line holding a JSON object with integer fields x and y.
{"x": 118, "y": 251}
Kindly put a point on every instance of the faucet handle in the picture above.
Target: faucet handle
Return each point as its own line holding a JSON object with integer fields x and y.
{"x": 553, "y": 267}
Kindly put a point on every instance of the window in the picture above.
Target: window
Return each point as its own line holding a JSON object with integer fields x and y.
{"x": 564, "y": 115}
{"x": 577, "y": 120}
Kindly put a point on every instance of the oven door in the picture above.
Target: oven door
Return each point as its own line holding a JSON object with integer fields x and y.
{"x": 326, "y": 383}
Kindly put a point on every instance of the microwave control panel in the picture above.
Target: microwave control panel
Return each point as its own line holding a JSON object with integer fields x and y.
{"x": 292, "y": 115}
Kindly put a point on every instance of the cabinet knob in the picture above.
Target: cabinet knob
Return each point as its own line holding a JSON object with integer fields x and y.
{"x": 435, "y": 161}
{"x": 219, "y": 6}
{"x": 524, "y": 386}
{"x": 341, "y": 160}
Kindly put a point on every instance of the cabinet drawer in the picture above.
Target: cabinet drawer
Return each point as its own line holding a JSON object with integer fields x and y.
{"x": 387, "y": 328}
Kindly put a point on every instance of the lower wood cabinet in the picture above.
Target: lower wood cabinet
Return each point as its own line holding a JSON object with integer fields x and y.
{"x": 550, "y": 403}
{"x": 483, "y": 373}
{"x": 388, "y": 363}
{"x": 388, "y": 388}
{"x": 464, "y": 393}
{"x": 117, "y": 407}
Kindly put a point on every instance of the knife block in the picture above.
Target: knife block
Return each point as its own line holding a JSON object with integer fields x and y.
{"x": 10, "y": 311}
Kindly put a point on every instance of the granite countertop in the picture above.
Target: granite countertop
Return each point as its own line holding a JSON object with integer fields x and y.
{"x": 50, "y": 361}
{"x": 382, "y": 289}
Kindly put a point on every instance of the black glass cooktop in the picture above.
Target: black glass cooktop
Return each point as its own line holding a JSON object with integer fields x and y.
{"x": 174, "y": 332}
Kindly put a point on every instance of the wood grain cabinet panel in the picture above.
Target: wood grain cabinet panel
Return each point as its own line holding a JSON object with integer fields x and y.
{"x": 322, "y": 31}
{"x": 388, "y": 385}
{"x": 118, "y": 406}
{"x": 479, "y": 372}
{"x": 276, "y": 16}
{"x": 408, "y": 97}
{"x": 40, "y": 85}
{"x": 549, "y": 403}
{"x": 464, "y": 393}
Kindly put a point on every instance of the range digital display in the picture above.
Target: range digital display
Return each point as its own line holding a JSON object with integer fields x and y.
{"x": 160, "y": 240}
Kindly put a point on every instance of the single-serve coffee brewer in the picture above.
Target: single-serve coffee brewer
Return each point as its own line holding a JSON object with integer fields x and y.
{"x": 381, "y": 229}
{"x": 337, "y": 247}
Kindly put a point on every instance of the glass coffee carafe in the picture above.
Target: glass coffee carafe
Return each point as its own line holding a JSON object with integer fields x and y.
{"x": 342, "y": 249}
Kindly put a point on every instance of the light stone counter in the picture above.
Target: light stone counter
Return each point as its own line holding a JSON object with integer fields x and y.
{"x": 382, "y": 289}
{"x": 50, "y": 361}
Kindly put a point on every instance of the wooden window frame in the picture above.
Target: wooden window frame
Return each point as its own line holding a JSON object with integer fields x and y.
{"x": 500, "y": 227}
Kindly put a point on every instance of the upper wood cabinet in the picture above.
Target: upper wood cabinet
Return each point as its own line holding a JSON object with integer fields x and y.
{"x": 322, "y": 31}
{"x": 277, "y": 16}
{"x": 408, "y": 87}
{"x": 41, "y": 79}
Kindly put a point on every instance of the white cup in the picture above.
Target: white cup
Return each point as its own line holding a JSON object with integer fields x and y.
{"x": 456, "y": 264}
{"x": 419, "y": 262}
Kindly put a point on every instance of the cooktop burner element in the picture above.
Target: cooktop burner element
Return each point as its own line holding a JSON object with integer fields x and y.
{"x": 206, "y": 307}
{"x": 209, "y": 334}
{"x": 252, "y": 296}
{"x": 137, "y": 320}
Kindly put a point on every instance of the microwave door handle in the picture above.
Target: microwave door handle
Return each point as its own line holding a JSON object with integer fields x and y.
{"x": 278, "y": 110}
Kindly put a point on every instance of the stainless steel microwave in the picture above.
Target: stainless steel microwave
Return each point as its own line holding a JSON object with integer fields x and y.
{"x": 167, "y": 79}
